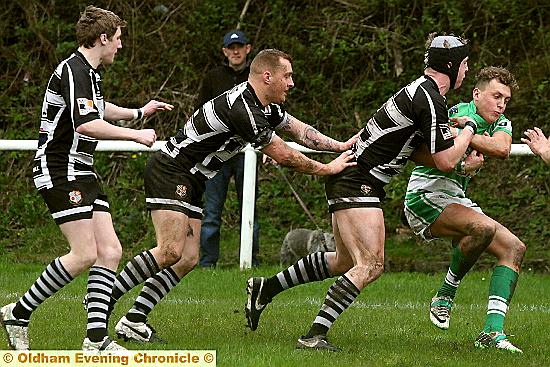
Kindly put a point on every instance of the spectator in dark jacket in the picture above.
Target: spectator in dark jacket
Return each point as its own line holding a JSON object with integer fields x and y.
{"x": 233, "y": 71}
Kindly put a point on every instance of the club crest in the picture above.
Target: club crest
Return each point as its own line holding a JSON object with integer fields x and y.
{"x": 365, "y": 189}
{"x": 75, "y": 197}
{"x": 181, "y": 191}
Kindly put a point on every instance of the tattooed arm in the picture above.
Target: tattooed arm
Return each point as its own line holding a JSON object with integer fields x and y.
{"x": 310, "y": 137}
{"x": 286, "y": 156}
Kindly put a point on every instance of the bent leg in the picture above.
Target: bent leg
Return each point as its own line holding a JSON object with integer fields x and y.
{"x": 472, "y": 232}
{"x": 359, "y": 235}
{"x": 171, "y": 229}
{"x": 158, "y": 286}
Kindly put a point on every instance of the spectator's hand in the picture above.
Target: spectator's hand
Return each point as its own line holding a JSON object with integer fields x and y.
{"x": 153, "y": 106}
{"x": 146, "y": 137}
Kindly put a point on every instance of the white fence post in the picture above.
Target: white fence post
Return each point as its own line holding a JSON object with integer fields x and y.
{"x": 249, "y": 196}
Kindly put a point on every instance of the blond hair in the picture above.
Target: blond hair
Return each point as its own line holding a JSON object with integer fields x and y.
{"x": 499, "y": 73}
{"x": 268, "y": 59}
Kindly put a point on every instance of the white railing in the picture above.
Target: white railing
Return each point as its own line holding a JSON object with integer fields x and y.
{"x": 249, "y": 180}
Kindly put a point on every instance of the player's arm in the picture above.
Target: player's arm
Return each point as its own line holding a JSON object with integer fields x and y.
{"x": 115, "y": 113}
{"x": 422, "y": 156}
{"x": 498, "y": 145}
{"x": 100, "y": 129}
{"x": 285, "y": 156}
{"x": 310, "y": 137}
{"x": 446, "y": 160}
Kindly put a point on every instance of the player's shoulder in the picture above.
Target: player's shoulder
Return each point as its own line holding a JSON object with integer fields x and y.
{"x": 461, "y": 109}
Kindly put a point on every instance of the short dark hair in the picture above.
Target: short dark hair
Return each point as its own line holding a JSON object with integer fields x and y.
{"x": 268, "y": 59}
{"x": 499, "y": 73}
{"x": 94, "y": 22}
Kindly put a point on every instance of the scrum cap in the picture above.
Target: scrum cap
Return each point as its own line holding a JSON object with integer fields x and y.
{"x": 445, "y": 53}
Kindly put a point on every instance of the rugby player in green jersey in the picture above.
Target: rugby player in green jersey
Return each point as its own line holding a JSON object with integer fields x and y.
{"x": 436, "y": 206}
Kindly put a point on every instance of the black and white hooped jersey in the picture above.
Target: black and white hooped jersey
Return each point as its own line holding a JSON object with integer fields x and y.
{"x": 415, "y": 114}
{"x": 73, "y": 97}
{"x": 221, "y": 128}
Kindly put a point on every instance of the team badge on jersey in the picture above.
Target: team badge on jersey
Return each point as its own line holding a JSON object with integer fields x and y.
{"x": 181, "y": 191}
{"x": 446, "y": 132}
{"x": 85, "y": 106}
{"x": 75, "y": 197}
{"x": 365, "y": 189}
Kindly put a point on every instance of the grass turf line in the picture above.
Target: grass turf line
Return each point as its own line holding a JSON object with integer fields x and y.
{"x": 388, "y": 325}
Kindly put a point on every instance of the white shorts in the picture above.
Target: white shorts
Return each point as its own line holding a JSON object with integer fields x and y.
{"x": 422, "y": 209}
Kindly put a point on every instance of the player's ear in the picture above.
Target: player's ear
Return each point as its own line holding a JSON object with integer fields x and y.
{"x": 267, "y": 77}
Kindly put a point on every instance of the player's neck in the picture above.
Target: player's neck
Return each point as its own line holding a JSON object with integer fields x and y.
{"x": 91, "y": 56}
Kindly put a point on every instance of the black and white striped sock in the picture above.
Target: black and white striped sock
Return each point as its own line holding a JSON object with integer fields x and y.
{"x": 52, "y": 279}
{"x": 100, "y": 287}
{"x": 340, "y": 295}
{"x": 136, "y": 271}
{"x": 310, "y": 268}
{"x": 154, "y": 290}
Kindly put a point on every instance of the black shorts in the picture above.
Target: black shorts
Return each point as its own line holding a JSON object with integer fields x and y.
{"x": 169, "y": 188}
{"x": 352, "y": 188}
{"x": 75, "y": 200}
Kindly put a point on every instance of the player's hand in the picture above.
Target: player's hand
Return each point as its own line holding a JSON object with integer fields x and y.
{"x": 344, "y": 160}
{"x": 473, "y": 161}
{"x": 461, "y": 121}
{"x": 536, "y": 141}
{"x": 146, "y": 137}
{"x": 349, "y": 143}
{"x": 267, "y": 160}
{"x": 153, "y": 106}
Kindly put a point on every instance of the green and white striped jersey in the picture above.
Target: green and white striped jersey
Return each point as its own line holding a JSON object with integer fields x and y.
{"x": 425, "y": 179}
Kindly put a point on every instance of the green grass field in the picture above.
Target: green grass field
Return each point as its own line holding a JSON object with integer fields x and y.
{"x": 388, "y": 325}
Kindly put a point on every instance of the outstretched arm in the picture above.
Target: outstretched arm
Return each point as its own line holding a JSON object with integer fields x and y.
{"x": 310, "y": 137}
{"x": 101, "y": 129}
{"x": 114, "y": 112}
{"x": 285, "y": 156}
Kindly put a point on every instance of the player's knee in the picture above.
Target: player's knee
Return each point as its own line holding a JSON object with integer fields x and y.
{"x": 110, "y": 253}
{"x": 86, "y": 260}
{"x": 483, "y": 232}
{"x": 370, "y": 271}
{"x": 518, "y": 251}
{"x": 170, "y": 256}
{"x": 339, "y": 265}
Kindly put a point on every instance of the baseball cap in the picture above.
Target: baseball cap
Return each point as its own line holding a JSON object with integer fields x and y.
{"x": 234, "y": 36}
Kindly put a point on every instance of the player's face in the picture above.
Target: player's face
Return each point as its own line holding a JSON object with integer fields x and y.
{"x": 461, "y": 73}
{"x": 236, "y": 54}
{"x": 281, "y": 82}
{"x": 111, "y": 47}
{"x": 491, "y": 100}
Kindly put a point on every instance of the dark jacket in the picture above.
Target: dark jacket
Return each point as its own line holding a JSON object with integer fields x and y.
{"x": 218, "y": 80}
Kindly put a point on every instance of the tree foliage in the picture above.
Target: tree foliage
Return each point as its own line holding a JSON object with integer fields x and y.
{"x": 349, "y": 57}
